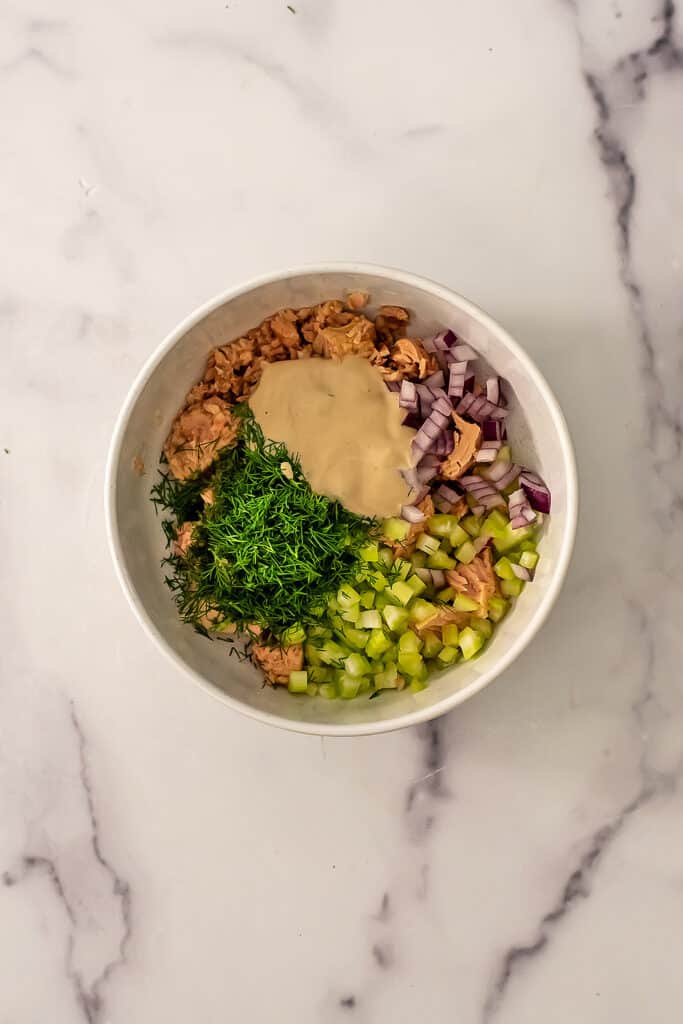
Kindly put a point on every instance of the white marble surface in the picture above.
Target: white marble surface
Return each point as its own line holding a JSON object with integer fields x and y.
{"x": 164, "y": 860}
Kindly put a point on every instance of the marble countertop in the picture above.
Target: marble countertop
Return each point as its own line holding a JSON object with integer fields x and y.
{"x": 162, "y": 859}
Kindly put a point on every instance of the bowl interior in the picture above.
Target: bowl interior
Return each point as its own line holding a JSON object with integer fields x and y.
{"x": 535, "y": 425}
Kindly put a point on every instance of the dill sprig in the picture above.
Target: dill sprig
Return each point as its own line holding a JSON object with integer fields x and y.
{"x": 268, "y": 550}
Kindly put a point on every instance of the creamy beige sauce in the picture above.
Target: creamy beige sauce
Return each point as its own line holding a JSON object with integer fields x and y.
{"x": 344, "y": 424}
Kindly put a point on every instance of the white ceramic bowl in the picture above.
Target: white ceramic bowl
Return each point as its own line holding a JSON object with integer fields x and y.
{"x": 536, "y": 426}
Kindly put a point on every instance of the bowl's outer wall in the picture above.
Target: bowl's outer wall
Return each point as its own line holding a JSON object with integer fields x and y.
{"x": 540, "y": 440}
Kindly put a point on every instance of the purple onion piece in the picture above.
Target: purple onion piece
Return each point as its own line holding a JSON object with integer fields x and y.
{"x": 412, "y": 514}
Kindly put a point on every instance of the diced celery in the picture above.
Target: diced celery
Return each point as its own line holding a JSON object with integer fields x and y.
{"x": 498, "y": 606}
{"x": 441, "y": 525}
{"x": 511, "y": 588}
{"x": 427, "y": 544}
{"x": 331, "y": 653}
{"x": 402, "y": 591}
{"x": 377, "y": 645}
{"x": 390, "y": 655}
{"x": 320, "y": 632}
{"x": 410, "y": 662}
{"x": 447, "y": 655}
{"x": 293, "y": 635}
{"x": 312, "y": 654}
{"x": 336, "y": 621}
{"x": 417, "y": 585}
{"x": 328, "y": 691}
{"x": 503, "y": 569}
{"x": 298, "y": 681}
{"x": 495, "y": 522}
{"x": 472, "y": 524}
{"x": 347, "y": 596}
{"x": 528, "y": 559}
{"x": 527, "y": 545}
{"x": 320, "y": 675}
{"x": 421, "y": 610}
{"x": 369, "y": 553}
{"x": 348, "y": 686}
{"x": 357, "y": 638}
{"x": 417, "y": 684}
{"x": 507, "y": 539}
{"x": 447, "y": 594}
{"x": 365, "y": 684}
{"x": 482, "y": 626}
{"x": 386, "y": 557}
{"x": 332, "y": 604}
{"x": 382, "y": 600}
{"x": 418, "y": 559}
{"x": 402, "y": 566}
{"x": 367, "y": 599}
{"x": 470, "y": 642}
{"x": 352, "y": 614}
{"x": 440, "y": 560}
{"x": 378, "y": 581}
{"x": 465, "y": 552}
{"x": 409, "y": 642}
{"x": 450, "y": 634}
{"x": 463, "y": 603}
{"x": 395, "y": 529}
{"x": 388, "y": 679}
{"x": 431, "y": 644}
{"x": 370, "y": 620}
{"x": 396, "y": 618}
{"x": 312, "y": 689}
{"x": 458, "y": 536}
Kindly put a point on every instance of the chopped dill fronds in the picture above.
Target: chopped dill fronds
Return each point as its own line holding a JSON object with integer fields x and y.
{"x": 268, "y": 550}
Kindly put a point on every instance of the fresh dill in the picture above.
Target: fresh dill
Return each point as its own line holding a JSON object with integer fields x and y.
{"x": 267, "y": 550}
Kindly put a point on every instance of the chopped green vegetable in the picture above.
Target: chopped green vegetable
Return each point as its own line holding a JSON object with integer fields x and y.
{"x": 470, "y": 642}
{"x": 427, "y": 544}
{"x": 298, "y": 682}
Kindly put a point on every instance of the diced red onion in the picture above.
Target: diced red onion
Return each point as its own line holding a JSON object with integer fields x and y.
{"x": 412, "y": 514}
{"x": 485, "y": 455}
{"x": 493, "y": 390}
{"x": 520, "y": 572}
{"x": 493, "y": 446}
{"x": 518, "y": 522}
{"x": 393, "y": 385}
{"x": 426, "y": 473}
{"x": 492, "y": 430}
{"x": 456, "y": 379}
{"x": 536, "y": 490}
{"x": 413, "y": 420}
{"x": 506, "y": 480}
{"x": 424, "y": 574}
{"x": 465, "y": 402}
{"x": 438, "y": 578}
{"x": 464, "y": 353}
{"x": 477, "y": 510}
{"x": 417, "y": 493}
{"x": 408, "y": 396}
{"x": 449, "y": 493}
{"x": 491, "y": 500}
{"x": 479, "y": 543}
{"x": 499, "y": 470}
{"x": 435, "y": 380}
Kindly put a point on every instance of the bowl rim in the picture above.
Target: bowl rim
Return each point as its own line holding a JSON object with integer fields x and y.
{"x": 413, "y": 716}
